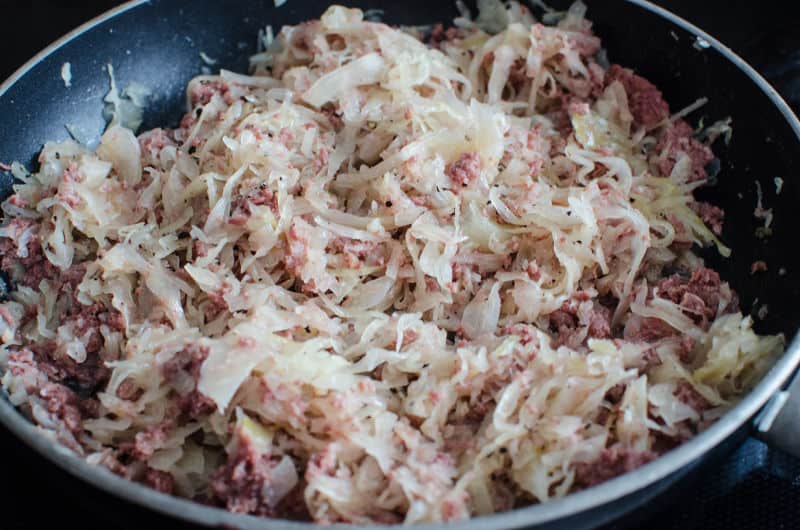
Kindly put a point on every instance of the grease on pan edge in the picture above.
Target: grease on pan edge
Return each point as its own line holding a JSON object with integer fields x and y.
{"x": 701, "y": 44}
{"x": 208, "y": 60}
{"x": 66, "y": 74}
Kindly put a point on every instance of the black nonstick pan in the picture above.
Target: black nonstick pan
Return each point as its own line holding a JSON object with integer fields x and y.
{"x": 157, "y": 43}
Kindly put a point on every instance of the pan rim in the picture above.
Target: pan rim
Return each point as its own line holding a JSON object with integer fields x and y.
{"x": 552, "y": 511}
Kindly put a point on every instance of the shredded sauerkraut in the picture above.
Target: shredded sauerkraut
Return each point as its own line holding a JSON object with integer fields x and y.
{"x": 380, "y": 279}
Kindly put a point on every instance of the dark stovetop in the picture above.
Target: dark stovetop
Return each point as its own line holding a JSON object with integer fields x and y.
{"x": 753, "y": 488}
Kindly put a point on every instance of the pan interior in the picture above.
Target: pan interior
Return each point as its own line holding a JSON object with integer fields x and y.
{"x": 158, "y": 44}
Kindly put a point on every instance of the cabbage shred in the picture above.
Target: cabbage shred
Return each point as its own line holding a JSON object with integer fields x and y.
{"x": 385, "y": 281}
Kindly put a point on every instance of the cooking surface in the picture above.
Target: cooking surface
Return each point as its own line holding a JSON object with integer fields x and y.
{"x": 753, "y": 488}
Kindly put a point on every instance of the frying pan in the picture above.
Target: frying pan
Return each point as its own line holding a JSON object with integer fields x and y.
{"x": 158, "y": 43}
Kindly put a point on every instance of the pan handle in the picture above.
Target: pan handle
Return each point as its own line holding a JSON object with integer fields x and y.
{"x": 779, "y": 422}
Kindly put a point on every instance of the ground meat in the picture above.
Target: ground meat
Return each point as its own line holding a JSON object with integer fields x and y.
{"x": 189, "y": 360}
{"x": 645, "y": 101}
{"x": 243, "y": 484}
{"x": 758, "y": 266}
{"x": 711, "y": 215}
{"x": 85, "y": 321}
{"x": 460, "y": 437}
{"x": 159, "y": 480}
{"x": 73, "y": 276}
{"x": 148, "y": 441}
{"x": 188, "y": 122}
{"x": 603, "y": 414}
{"x": 650, "y": 358}
{"x": 129, "y": 391}
{"x": 263, "y": 196}
{"x": 297, "y": 250}
{"x": 217, "y": 303}
{"x": 562, "y": 123}
{"x": 598, "y": 171}
{"x": 152, "y": 143}
{"x": 525, "y": 332}
{"x": 465, "y": 170}
{"x": 67, "y": 192}
{"x": 202, "y": 92}
{"x": 615, "y": 393}
{"x": 600, "y": 322}
{"x": 439, "y": 35}
{"x": 86, "y": 377}
{"x": 335, "y": 119}
{"x": 185, "y": 365}
{"x": 356, "y": 252}
{"x": 303, "y": 37}
{"x": 64, "y": 405}
{"x": 688, "y": 395}
{"x": 518, "y": 75}
{"x": 196, "y": 405}
{"x": 115, "y": 321}
{"x": 649, "y": 329}
{"x": 676, "y": 141}
{"x": 687, "y": 346}
{"x": 663, "y": 443}
{"x": 200, "y": 249}
{"x": 564, "y": 324}
{"x": 693, "y": 304}
{"x": 34, "y": 267}
{"x": 612, "y": 462}
{"x": 241, "y": 209}
{"x": 575, "y": 321}
{"x": 285, "y": 136}
{"x": 655, "y": 329}
{"x": 699, "y": 295}
{"x": 578, "y": 107}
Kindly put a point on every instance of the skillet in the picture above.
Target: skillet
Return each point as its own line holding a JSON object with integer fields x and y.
{"x": 157, "y": 43}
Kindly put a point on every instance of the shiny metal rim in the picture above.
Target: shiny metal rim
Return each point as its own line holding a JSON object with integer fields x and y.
{"x": 537, "y": 514}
